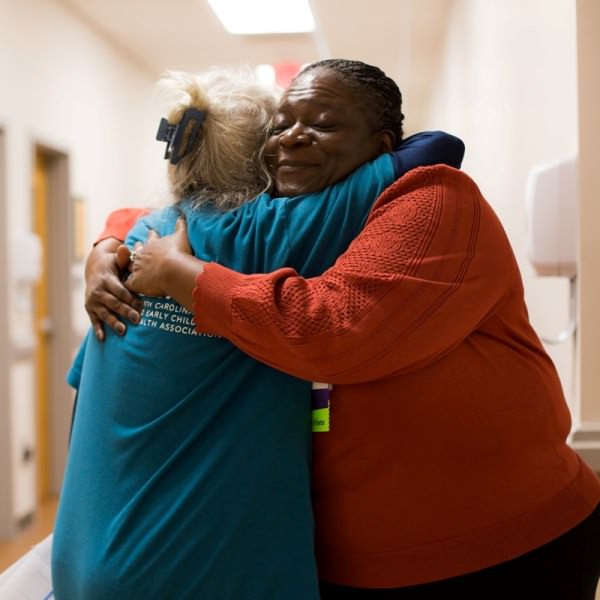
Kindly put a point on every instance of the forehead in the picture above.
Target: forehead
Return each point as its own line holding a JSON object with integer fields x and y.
{"x": 321, "y": 89}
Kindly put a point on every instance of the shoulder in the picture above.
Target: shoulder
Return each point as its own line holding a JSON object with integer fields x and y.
{"x": 445, "y": 206}
{"x": 160, "y": 220}
{"x": 160, "y": 217}
{"x": 435, "y": 176}
{"x": 433, "y": 183}
{"x": 436, "y": 203}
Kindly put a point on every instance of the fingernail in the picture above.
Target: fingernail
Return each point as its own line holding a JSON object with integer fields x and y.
{"x": 120, "y": 329}
{"x": 134, "y": 317}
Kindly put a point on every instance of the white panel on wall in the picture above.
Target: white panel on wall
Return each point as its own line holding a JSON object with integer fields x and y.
{"x": 23, "y": 440}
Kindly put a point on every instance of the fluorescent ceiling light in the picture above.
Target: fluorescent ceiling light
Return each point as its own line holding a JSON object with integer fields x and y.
{"x": 264, "y": 16}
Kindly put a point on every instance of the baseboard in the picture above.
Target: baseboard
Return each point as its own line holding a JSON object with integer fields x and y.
{"x": 585, "y": 439}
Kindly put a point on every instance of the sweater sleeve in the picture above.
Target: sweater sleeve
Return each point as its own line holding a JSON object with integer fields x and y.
{"x": 411, "y": 286}
{"x": 119, "y": 222}
{"x": 428, "y": 148}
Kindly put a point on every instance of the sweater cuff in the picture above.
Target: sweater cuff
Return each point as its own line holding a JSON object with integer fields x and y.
{"x": 213, "y": 296}
{"x": 119, "y": 222}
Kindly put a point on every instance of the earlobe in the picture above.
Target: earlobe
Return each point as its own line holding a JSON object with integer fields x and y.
{"x": 387, "y": 141}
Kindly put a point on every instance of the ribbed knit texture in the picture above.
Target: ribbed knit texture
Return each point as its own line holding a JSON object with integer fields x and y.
{"x": 358, "y": 278}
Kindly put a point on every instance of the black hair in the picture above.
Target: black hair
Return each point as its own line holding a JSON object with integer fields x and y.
{"x": 379, "y": 93}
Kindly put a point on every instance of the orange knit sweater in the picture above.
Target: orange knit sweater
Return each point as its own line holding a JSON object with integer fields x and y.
{"x": 447, "y": 451}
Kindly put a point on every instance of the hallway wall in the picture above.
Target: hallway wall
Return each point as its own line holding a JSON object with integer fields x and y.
{"x": 68, "y": 89}
{"x": 505, "y": 77}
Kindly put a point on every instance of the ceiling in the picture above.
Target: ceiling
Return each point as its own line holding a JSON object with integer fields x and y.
{"x": 162, "y": 35}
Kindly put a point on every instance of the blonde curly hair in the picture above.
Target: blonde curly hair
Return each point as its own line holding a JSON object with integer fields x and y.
{"x": 225, "y": 167}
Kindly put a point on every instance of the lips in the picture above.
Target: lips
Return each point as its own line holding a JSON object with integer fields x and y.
{"x": 287, "y": 166}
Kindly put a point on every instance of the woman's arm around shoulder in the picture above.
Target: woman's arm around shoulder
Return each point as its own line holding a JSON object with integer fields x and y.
{"x": 414, "y": 284}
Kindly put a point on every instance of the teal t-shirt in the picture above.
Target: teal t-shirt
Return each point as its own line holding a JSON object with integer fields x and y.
{"x": 188, "y": 474}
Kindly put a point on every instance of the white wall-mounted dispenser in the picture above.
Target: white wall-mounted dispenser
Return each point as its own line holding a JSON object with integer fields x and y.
{"x": 552, "y": 218}
{"x": 552, "y": 209}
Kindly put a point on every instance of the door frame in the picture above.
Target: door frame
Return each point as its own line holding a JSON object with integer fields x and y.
{"x": 62, "y": 340}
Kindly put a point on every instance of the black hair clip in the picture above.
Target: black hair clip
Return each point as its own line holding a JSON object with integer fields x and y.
{"x": 188, "y": 127}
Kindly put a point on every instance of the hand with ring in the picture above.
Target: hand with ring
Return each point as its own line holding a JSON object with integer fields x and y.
{"x": 151, "y": 265}
{"x": 107, "y": 300}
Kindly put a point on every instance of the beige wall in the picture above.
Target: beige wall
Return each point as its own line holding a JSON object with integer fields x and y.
{"x": 67, "y": 88}
{"x": 506, "y": 81}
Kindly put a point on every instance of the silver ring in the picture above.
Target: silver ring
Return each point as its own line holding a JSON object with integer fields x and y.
{"x": 132, "y": 255}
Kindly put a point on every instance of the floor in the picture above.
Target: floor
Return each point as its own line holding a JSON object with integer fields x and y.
{"x": 42, "y": 525}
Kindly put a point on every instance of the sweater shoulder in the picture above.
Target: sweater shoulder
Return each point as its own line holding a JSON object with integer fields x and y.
{"x": 428, "y": 179}
{"x": 437, "y": 189}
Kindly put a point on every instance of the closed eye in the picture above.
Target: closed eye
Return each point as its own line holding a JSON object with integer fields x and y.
{"x": 324, "y": 126}
{"x": 277, "y": 129}
{"x": 279, "y": 123}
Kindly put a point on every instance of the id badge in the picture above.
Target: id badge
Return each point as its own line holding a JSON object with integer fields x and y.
{"x": 320, "y": 405}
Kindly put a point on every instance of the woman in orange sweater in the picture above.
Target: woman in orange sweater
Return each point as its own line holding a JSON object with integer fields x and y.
{"x": 445, "y": 468}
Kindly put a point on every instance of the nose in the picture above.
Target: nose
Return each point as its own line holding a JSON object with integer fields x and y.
{"x": 295, "y": 136}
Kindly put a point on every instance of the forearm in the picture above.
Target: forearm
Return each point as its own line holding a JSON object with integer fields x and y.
{"x": 343, "y": 328}
{"x": 180, "y": 272}
{"x": 258, "y": 313}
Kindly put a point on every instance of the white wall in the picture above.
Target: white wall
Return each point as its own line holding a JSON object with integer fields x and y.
{"x": 70, "y": 89}
{"x": 67, "y": 88}
{"x": 506, "y": 82}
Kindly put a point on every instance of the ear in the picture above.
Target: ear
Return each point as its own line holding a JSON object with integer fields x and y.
{"x": 387, "y": 141}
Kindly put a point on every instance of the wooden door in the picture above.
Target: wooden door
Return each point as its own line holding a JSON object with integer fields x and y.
{"x": 42, "y": 327}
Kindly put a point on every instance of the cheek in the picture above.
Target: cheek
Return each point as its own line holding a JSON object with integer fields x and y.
{"x": 270, "y": 145}
{"x": 353, "y": 157}
{"x": 270, "y": 153}
{"x": 350, "y": 150}
{"x": 364, "y": 150}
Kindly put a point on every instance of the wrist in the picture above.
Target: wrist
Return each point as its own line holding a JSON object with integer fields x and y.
{"x": 101, "y": 256}
{"x": 107, "y": 244}
{"x": 169, "y": 271}
{"x": 180, "y": 277}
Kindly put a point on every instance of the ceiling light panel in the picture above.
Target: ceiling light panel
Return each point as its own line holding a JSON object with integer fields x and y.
{"x": 255, "y": 17}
